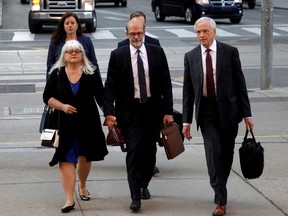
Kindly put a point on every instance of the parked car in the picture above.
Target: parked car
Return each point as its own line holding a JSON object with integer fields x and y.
{"x": 49, "y": 12}
{"x": 191, "y": 10}
{"x": 116, "y": 2}
{"x": 251, "y": 3}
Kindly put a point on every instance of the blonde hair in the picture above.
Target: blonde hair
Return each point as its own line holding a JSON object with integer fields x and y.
{"x": 86, "y": 66}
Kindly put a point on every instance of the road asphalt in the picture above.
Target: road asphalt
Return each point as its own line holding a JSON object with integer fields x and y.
{"x": 29, "y": 187}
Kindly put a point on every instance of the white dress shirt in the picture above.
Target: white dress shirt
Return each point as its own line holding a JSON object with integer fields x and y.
{"x": 213, "y": 49}
{"x": 143, "y": 54}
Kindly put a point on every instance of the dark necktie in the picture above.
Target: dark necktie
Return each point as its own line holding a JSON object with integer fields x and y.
{"x": 141, "y": 78}
{"x": 209, "y": 76}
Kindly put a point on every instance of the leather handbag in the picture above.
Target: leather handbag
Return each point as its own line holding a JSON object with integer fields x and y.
{"x": 49, "y": 118}
{"x": 50, "y": 132}
{"x": 50, "y": 138}
{"x": 251, "y": 155}
{"x": 115, "y": 138}
{"x": 172, "y": 141}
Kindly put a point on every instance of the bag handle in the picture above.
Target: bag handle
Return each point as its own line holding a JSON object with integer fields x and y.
{"x": 246, "y": 134}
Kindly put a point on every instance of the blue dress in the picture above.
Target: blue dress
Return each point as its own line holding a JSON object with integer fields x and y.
{"x": 74, "y": 152}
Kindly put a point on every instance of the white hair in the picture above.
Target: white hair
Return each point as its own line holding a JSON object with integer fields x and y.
{"x": 86, "y": 66}
{"x": 202, "y": 19}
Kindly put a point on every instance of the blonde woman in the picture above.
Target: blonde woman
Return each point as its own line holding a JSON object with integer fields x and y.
{"x": 73, "y": 89}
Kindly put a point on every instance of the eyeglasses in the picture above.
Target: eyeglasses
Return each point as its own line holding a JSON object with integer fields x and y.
{"x": 73, "y": 51}
{"x": 133, "y": 34}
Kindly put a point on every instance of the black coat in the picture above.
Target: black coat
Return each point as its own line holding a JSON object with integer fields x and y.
{"x": 85, "y": 125}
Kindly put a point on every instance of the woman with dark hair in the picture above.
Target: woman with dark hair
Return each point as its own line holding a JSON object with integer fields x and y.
{"x": 69, "y": 28}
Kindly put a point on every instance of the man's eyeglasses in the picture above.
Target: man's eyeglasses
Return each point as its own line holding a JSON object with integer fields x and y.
{"x": 133, "y": 34}
{"x": 73, "y": 51}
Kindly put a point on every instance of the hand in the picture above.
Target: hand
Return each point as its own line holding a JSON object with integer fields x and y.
{"x": 69, "y": 109}
{"x": 168, "y": 119}
{"x": 186, "y": 132}
{"x": 249, "y": 123}
{"x": 110, "y": 121}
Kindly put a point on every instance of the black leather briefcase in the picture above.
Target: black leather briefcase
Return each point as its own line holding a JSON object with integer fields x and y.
{"x": 251, "y": 155}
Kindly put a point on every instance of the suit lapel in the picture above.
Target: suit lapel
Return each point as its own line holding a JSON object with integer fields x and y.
{"x": 219, "y": 60}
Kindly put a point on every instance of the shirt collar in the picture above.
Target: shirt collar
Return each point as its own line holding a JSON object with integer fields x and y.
{"x": 213, "y": 47}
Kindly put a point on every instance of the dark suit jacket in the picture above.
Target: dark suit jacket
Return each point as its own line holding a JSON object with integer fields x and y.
{"x": 232, "y": 97}
{"x": 148, "y": 40}
{"x": 55, "y": 49}
{"x": 119, "y": 85}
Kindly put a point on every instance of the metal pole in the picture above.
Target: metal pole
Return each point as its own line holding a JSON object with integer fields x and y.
{"x": 267, "y": 44}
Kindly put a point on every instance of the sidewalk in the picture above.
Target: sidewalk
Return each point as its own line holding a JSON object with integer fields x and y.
{"x": 29, "y": 187}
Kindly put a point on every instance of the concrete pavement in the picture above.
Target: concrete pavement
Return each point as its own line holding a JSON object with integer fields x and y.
{"x": 30, "y": 187}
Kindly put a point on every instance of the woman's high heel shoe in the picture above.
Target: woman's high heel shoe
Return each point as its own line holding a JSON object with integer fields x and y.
{"x": 67, "y": 209}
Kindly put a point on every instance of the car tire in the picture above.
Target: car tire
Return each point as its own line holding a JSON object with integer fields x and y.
{"x": 34, "y": 28}
{"x": 92, "y": 26}
{"x": 124, "y": 3}
{"x": 235, "y": 20}
{"x": 251, "y": 5}
{"x": 24, "y": 1}
{"x": 116, "y": 3}
{"x": 189, "y": 16}
{"x": 158, "y": 14}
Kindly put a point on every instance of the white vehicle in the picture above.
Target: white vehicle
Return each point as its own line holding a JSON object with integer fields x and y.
{"x": 49, "y": 12}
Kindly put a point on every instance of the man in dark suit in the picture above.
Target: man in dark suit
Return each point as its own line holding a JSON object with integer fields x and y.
{"x": 138, "y": 118}
{"x": 219, "y": 106}
{"x": 146, "y": 39}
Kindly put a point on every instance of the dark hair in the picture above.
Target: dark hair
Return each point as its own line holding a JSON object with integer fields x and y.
{"x": 137, "y": 14}
{"x": 59, "y": 34}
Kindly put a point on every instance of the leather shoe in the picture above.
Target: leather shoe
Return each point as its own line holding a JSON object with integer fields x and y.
{"x": 135, "y": 205}
{"x": 156, "y": 170}
{"x": 67, "y": 209}
{"x": 145, "y": 194}
{"x": 220, "y": 210}
{"x": 84, "y": 197}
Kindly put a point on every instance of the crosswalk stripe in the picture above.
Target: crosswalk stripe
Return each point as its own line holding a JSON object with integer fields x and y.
{"x": 151, "y": 35}
{"x": 23, "y": 36}
{"x": 103, "y": 34}
{"x": 181, "y": 33}
{"x": 282, "y": 28}
{"x": 223, "y": 33}
{"x": 257, "y": 31}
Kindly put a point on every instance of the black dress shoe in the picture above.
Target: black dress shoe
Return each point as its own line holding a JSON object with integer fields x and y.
{"x": 135, "y": 205}
{"x": 67, "y": 209}
{"x": 145, "y": 194}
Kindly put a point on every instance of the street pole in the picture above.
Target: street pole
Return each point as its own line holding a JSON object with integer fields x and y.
{"x": 267, "y": 44}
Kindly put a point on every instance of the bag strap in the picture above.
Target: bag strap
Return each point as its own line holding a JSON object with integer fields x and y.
{"x": 251, "y": 132}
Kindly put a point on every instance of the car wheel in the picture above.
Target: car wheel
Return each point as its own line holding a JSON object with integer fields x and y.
{"x": 24, "y": 1}
{"x": 34, "y": 28}
{"x": 189, "y": 16}
{"x": 91, "y": 27}
{"x": 158, "y": 14}
{"x": 235, "y": 20}
{"x": 251, "y": 5}
{"x": 124, "y": 3}
{"x": 116, "y": 3}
